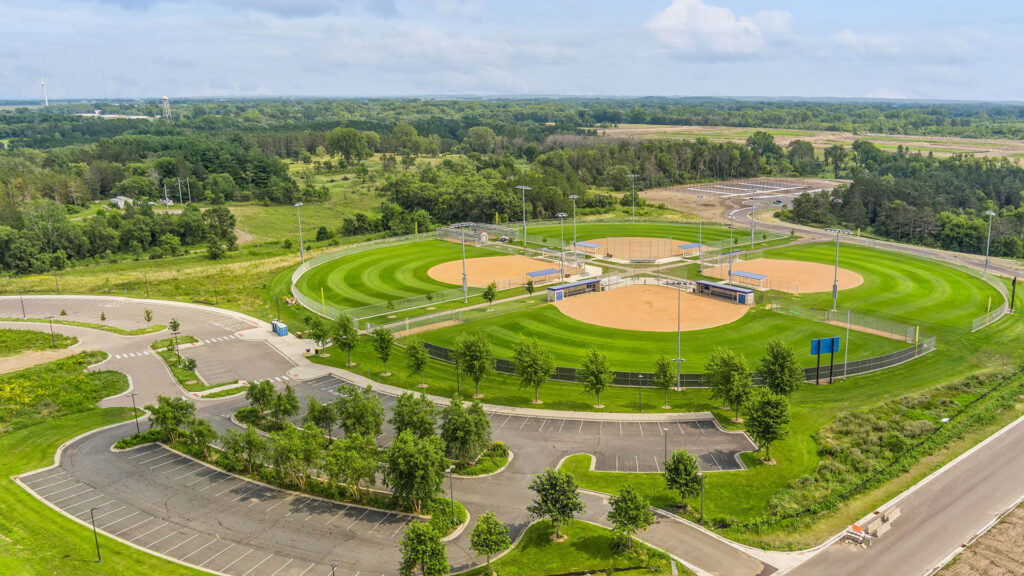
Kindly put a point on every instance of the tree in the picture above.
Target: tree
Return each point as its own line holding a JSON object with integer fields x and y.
{"x": 630, "y": 513}
{"x": 481, "y": 139}
{"x": 415, "y": 413}
{"x": 465, "y": 432}
{"x": 345, "y": 336}
{"x": 260, "y": 395}
{"x": 348, "y": 142}
{"x": 359, "y": 412}
{"x": 835, "y": 155}
{"x": 414, "y": 468}
{"x": 245, "y": 449}
{"x": 200, "y": 436}
{"x": 533, "y": 365}
{"x": 191, "y": 364}
{"x": 530, "y": 287}
{"x": 171, "y": 414}
{"x": 173, "y": 325}
{"x": 352, "y": 461}
{"x": 294, "y": 452}
{"x": 489, "y": 537}
{"x": 416, "y": 359}
{"x": 768, "y": 419}
{"x": 594, "y": 374}
{"x": 490, "y": 293}
{"x": 103, "y": 316}
{"x": 148, "y": 315}
{"x": 474, "y": 354}
{"x": 286, "y": 404}
{"x": 318, "y": 331}
{"x": 728, "y": 377}
{"x": 558, "y": 498}
{"x": 664, "y": 376}
{"x": 383, "y": 340}
{"x": 683, "y": 475}
{"x": 423, "y": 550}
{"x": 323, "y": 416}
{"x": 779, "y": 368}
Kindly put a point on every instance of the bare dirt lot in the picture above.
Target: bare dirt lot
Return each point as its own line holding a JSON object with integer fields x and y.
{"x": 32, "y": 358}
{"x": 790, "y": 276}
{"x": 938, "y": 145}
{"x": 650, "y": 309}
{"x": 997, "y": 553}
{"x": 507, "y": 271}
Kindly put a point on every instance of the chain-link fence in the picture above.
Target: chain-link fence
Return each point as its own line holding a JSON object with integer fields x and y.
{"x": 988, "y": 318}
{"x": 847, "y": 318}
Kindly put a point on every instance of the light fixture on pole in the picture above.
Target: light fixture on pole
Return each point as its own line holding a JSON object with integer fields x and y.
{"x": 678, "y": 284}
{"x": 92, "y": 516}
{"x": 701, "y": 476}
{"x": 700, "y": 230}
{"x": 752, "y": 221}
{"x": 632, "y": 180}
{"x": 333, "y": 566}
{"x": 22, "y": 296}
{"x": 302, "y": 248}
{"x": 135, "y": 411}
{"x": 575, "y": 257}
{"x": 988, "y": 243}
{"x": 835, "y": 280}
{"x": 561, "y": 242}
{"x": 523, "y": 189}
{"x": 465, "y": 278}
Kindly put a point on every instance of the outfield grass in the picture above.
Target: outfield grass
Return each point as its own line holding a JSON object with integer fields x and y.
{"x": 17, "y": 341}
{"x": 688, "y": 232}
{"x": 589, "y": 547}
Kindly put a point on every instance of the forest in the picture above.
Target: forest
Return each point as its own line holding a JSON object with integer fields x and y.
{"x": 434, "y": 162}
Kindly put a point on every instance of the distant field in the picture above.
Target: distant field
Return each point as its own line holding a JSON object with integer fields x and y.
{"x": 821, "y": 138}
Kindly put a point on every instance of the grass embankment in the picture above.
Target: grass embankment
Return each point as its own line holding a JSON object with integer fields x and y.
{"x": 56, "y": 402}
{"x": 169, "y": 342}
{"x": 104, "y": 327}
{"x": 55, "y": 389}
{"x": 14, "y": 341}
{"x": 225, "y": 393}
{"x": 588, "y": 548}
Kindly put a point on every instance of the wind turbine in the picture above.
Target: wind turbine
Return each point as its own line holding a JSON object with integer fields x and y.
{"x": 46, "y": 101}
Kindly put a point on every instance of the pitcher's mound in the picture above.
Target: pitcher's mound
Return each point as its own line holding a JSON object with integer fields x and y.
{"x": 791, "y": 276}
{"x": 650, "y": 308}
{"x": 505, "y": 270}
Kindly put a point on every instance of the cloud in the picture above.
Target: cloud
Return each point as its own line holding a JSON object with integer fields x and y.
{"x": 693, "y": 28}
{"x": 868, "y": 45}
{"x": 281, "y": 8}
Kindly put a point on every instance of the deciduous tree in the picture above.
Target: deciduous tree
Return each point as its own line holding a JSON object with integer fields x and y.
{"x": 558, "y": 498}
{"x": 415, "y": 413}
{"x": 779, "y": 368}
{"x": 768, "y": 419}
{"x": 414, "y": 468}
{"x": 416, "y": 359}
{"x": 475, "y": 360}
{"x": 423, "y": 551}
{"x": 630, "y": 513}
{"x": 594, "y": 374}
{"x": 489, "y": 537}
{"x": 352, "y": 461}
{"x": 383, "y": 340}
{"x": 683, "y": 475}
{"x": 533, "y": 364}
{"x": 359, "y": 412}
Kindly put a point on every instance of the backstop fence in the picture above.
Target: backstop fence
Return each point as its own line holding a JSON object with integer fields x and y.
{"x": 855, "y": 320}
{"x": 697, "y": 380}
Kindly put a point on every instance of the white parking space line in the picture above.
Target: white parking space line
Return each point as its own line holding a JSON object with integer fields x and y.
{"x": 161, "y": 540}
{"x": 616, "y": 462}
{"x": 97, "y": 497}
{"x": 86, "y": 511}
{"x": 189, "y": 472}
{"x": 133, "y": 526}
{"x": 168, "y": 462}
{"x": 637, "y": 462}
{"x": 210, "y": 559}
{"x": 225, "y": 569}
{"x": 149, "y": 531}
{"x": 304, "y": 500}
{"x": 542, "y": 424}
{"x": 197, "y": 480}
{"x": 397, "y": 530}
{"x": 282, "y": 567}
{"x": 641, "y": 428}
{"x": 560, "y": 426}
{"x": 278, "y": 504}
{"x": 143, "y": 453}
{"x": 118, "y": 520}
{"x": 357, "y": 519}
{"x": 269, "y": 556}
{"x": 680, "y": 425}
{"x": 178, "y": 545}
{"x": 525, "y": 420}
{"x": 242, "y": 483}
{"x": 388, "y": 515}
{"x": 656, "y": 466}
{"x": 164, "y": 455}
{"x": 187, "y": 463}
{"x": 58, "y": 482}
{"x": 328, "y": 523}
{"x": 246, "y": 493}
{"x": 224, "y": 479}
{"x": 580, "y": 431}
{"x": 197, "y": 550}
{"x": 303, "y": 573}
{"x": 72, "y": 496}
{"x": 620, "y": 428}
{"x": 41, "y": 478}
{"x": 55, "y": 492}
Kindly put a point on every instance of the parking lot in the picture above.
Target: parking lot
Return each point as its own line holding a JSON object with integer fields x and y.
{"x": 226, "y": 358}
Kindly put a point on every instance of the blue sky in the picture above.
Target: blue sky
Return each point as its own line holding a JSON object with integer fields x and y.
{"x": 148, "y": 48}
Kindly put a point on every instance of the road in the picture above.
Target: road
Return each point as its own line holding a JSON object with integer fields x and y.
{"x": 211, "y": 516}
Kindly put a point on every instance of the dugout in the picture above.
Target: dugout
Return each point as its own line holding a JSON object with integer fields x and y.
{"x": 726, "y": 292}
{"x": 749, "y": 278}
{"x": 563, "y": 291}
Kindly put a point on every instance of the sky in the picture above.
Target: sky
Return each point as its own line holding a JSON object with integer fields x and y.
{"x": 912, "y": 49}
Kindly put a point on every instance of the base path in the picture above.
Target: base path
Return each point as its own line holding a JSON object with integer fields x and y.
{"x": 505, "y": 270}
{"x": 637, "y": 247}
{"x": 650, "y": 308}
{"x": 792, "y": 276}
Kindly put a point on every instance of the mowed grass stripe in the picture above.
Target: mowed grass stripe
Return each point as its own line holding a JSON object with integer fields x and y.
{"x": 592, "y": 231}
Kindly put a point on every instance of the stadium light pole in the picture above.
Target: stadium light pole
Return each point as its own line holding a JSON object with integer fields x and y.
{"x": 333, "y": 566}
{"x": 988, "y": 243}
{"x": 523, "y": 188}
{"x": 732, "y": 222}
{"x": 561, "y": 242}
{"x": 752, "y": 214}
{"x": 302, "y": 248}
{"x": 575, "y": 257}
{"x": 465, "y": 280}
{"x": 639, "y": 396}
{"x": 679, "y": 332}
{"x": 632, "y": 180}
{"x": 700, "y": 230}
{"x": 835, "y": 279}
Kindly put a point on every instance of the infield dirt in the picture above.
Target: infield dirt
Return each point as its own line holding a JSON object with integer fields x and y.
{"x": 650, "y": 309}
{"x": 507, "y": 271}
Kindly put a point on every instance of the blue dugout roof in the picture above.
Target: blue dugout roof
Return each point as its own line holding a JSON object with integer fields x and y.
{"x": 588, "y": 244}
{"x": 724, "y": 287}
{"x": 750, "y": 275}
{"x": 544, "y": 272}
{"x": 574, "y": 284}
{"x": 689, "y": 246}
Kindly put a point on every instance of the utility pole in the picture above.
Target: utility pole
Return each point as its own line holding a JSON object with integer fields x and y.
{"x": 523, "y": 188}
{"x": 752, "y": 213}
{"x": 53, "y": 342}
{"x": 22, "y": 296}
{"x": 180, "y": 201}
{"x": 189, "y": 189}
{"x": 465, "y": 279}
{"x": 561, "y": 242}
{"x": 575, "y": 256}
{"x": 632, "y": 180}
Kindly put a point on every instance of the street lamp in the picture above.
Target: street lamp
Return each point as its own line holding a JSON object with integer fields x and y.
{"x": 835, "y": 280}
{"x": 988, "y": 242}
{"x": 53, "y": 343}
{"x": 632, "y": 179}
{"x": 333, "y": 566}
{"x": 302, "y": 248}
{"x": 92, "y": 516}
{"x": 664, "y": 458}
{"x": 561, "y": 243}
{"x": 575, "y": 257}
{"x": 732, "y": 221}
{"x": 176, "y": 353}
{"x": 639, "y": 391}
{"x": 701, "y": 476}
{"x": 524, "y": 188}
{"x": 22, "y": 296}
{"x": 135, "y": 411}
{"x": 752, "y": 208}
{"x": 451, "y": 488}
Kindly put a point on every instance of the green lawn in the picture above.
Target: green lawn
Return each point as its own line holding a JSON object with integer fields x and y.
{"x": 114, "y": 329}
{"x": 683, "y": 232}
{"x": 588, "y": 547}
{"x": 17, "y": 341}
